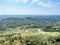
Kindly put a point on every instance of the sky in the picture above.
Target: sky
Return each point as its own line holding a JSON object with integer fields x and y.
{"x": 29, "y": 7}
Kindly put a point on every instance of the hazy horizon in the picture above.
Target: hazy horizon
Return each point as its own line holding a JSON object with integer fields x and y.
{"x": 22, "y": 16}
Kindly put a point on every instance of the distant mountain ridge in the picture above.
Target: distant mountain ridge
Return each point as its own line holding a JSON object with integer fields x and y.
{"x": 33, "y": 16}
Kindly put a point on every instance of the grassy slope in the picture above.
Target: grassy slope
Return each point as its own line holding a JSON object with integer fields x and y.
{"x": 28, "y": 33}
{"x": 31, "y": 31}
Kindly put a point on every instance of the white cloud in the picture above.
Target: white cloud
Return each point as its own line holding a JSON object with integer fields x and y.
{"x": 48, "y": 4}
{"x": 42, "y": 3}
{"x": 21, "y": 1}
{"x": 16, "y": 0}
{"x": 13, "y": 0}
{"x": 25, "y": 1}
{"x": 34, "y": 1}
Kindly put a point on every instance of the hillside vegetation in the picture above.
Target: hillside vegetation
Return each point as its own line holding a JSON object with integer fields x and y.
{"x": 29, "y": 36}
{"x": 39, "y": 30}
{"x": 49, "y": 24}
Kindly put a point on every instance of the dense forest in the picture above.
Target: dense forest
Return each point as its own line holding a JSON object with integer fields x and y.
{"x": 47, "y": 23}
